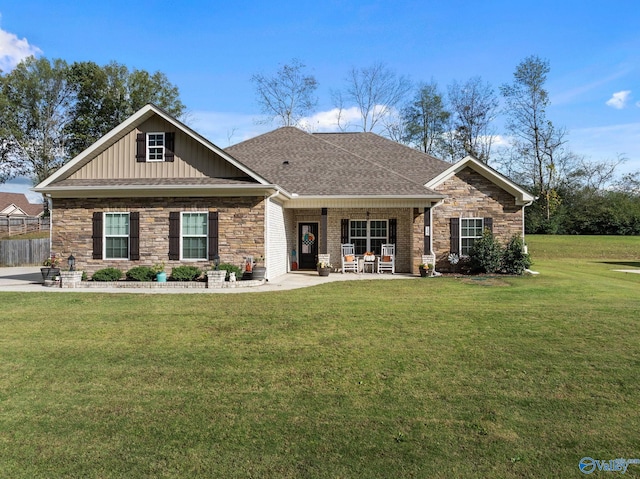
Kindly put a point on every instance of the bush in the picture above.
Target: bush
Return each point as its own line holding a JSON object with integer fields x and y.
{"x": 107, "y": 274}
{"x": 486, "y": 254}
{"x": 141, "y": 273}
{"x": 231, "y": 268}
{"x": 514, "y": 259}
{"x": 185, "y": 273}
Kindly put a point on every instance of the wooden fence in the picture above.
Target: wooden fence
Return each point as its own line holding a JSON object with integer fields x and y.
{"x": 11, "y": 226}
{"x": 24, "y": 252}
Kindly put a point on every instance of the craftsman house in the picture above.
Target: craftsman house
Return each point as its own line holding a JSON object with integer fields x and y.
{"x": 152, "y": 190}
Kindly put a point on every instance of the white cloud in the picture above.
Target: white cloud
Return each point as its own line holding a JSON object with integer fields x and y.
{"x": 619, "y": 99}
{"x": 13, "y": 50}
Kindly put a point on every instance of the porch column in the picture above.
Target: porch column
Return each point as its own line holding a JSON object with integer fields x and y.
{"x": 427, "y": 231}
{"x": 323, "y": 232}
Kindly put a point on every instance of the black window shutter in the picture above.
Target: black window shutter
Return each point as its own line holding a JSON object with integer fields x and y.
{"x": 213, "y": 234}
{"x": 169, "y": 145}
{"x": 141, "y": 147}
{"x": 174, "y": 235}
{"x": 393, "y": 230}
{"x": 134, "y": 236}
{"x": 455, "y": 235}
{"x": 344, "y": 231}
{"x": 97, "y": 235}
{"x": 488, "y": 223}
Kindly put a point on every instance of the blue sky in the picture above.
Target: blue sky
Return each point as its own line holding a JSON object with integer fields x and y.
{"x": 210, "y": 50}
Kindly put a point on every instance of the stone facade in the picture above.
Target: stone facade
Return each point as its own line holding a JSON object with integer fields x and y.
{"x": 471, "y": 195}
{"x": 240, "y": 224}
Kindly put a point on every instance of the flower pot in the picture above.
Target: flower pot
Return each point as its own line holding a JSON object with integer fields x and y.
{"x": 259, "y": 272}
{"x": 324, "y": 271}
{"x": 423, "y": 272}
{"x": 49, "y": 273}
{"x": 161, "y": 277}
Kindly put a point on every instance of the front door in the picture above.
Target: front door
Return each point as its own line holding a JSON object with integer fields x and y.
{"x": 308, "y": 245}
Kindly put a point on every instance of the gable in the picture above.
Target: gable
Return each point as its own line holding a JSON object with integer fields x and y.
{"x": 521, "y": 196}
{"x": 110, "y": 166}
{"x": 191, "y": 159}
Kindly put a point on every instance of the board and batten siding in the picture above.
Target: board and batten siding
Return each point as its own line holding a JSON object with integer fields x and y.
{"x": 192, "y": 159}
{"x": 276, "y": 239}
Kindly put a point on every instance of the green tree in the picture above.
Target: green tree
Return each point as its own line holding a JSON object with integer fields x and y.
{"x": 473, "y": 106}
{"x": 35, "y": 108}
{"x": 425, "y": 119}
{"x": 106, "y": 96}
{"x": 50, "y": 111}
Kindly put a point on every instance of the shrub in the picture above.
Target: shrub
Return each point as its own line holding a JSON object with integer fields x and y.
{"x": 231, "y": 268}
{"x": 185, "y": 273}
{"x": 141, "y": 273}
{"x": 514, "y": 259}
{"x": 107, "y": 274}
{"x": 486, "y": 254}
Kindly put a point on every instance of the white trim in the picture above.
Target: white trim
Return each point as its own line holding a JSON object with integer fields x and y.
{"x": 522, "y": 196}
{"x": 104, "y": 235}
{"x": 206, "y": 236}
{"x": 460, "y": 237}
{"x": 161, "y": 147}
{"x": 368, "y": 238}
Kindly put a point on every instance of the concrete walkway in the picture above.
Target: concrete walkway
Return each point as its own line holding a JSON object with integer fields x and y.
{"x": 29, "y": 279}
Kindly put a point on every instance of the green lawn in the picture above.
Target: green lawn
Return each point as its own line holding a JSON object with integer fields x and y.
{"x": 445, "y": 377}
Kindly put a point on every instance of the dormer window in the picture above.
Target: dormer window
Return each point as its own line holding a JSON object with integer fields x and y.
{"x": 155, "y": 147}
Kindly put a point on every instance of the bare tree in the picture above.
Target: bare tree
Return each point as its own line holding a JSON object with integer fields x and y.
{"x": 375, "y": 91}
{"x": 287, "y": 96}
{"x": 474, "y": 106}
{"x": 538, "y": 153}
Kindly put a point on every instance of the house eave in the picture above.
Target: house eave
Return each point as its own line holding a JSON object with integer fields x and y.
{"x": 178, "y": 191}
{"x": 362, "y": 201}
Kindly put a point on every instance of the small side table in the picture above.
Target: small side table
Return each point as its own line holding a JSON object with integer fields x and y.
{"x": 369, "y": 261}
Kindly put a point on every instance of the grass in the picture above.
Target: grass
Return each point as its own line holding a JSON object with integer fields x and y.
{"x": 448, "y": 377}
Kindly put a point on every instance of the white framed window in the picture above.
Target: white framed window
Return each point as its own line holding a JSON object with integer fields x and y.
{"x": 194, "y": 235}
{"x": 155, "y": 146}
{"x": 116, "y": 236}
{"x": 368, "y": 235}
{"x": 470, "y": 230}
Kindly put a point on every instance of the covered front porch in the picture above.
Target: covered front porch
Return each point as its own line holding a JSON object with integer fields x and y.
{"x": 322, "y": 231}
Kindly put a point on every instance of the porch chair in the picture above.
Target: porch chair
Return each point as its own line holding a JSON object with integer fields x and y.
{"x": 387, "y": 260}
{"x": 349, "y": 260}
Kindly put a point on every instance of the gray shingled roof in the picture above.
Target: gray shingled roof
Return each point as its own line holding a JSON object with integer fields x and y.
{"x": 338, "y": 164}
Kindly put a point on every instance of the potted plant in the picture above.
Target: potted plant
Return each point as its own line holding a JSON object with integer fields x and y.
{"x": 324, "y": 268}
{"x": 259, "y": 270}
{"x": 423, "y": 269}
{"x": 51, "y": 268}
{"x": 158, "y": 270}
{"x": 431, "y": 269}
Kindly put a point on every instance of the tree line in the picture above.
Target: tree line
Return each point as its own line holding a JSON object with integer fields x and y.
{"x": 575, "y": 195}
{"x": 51, "y": 110}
